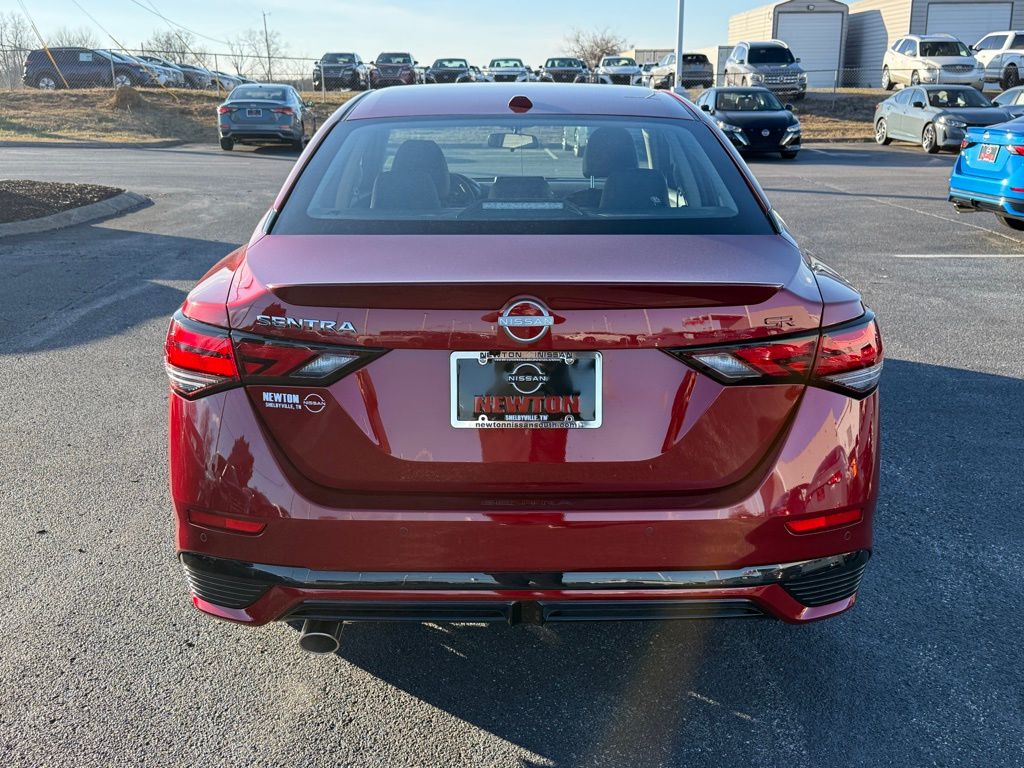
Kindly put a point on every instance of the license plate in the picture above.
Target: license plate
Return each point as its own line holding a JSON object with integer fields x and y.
{"x": 254, "y": 113}
{"x": 988, "y": 153}
{"x": 526, "y": 390}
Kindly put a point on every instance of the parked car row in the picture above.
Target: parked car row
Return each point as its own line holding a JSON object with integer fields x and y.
{"x": 76, "y": 67}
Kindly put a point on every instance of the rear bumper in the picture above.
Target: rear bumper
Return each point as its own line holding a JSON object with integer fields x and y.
{"x": 266, "y": 136}
{"x": 965, "y": 200}
{"x": 254, "y": 593}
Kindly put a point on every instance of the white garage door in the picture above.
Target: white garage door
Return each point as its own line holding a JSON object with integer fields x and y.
{"x": 816, "y": 38}
{"x": 968, "y": 22}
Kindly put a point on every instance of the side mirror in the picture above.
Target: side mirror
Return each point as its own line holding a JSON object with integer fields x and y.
{"x": 706, "y": 107}
{"x": 373, "y": 62}
{"x": 415, "y": 63}
{"x": 789, "y": 107}
{"x": 918, "y": 105}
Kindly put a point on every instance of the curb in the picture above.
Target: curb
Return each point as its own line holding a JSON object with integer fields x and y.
{"x": 104, "y": 209}
{"x": 94, "y": 144}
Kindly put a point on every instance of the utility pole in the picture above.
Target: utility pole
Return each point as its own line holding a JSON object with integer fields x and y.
{"x": 266, "y": 38}
{"x": 679, "y": 51}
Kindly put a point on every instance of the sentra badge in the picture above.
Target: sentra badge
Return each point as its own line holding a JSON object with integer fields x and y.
{"x": 324, "y": 326}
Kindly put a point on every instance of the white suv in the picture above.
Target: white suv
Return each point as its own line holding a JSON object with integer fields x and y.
{"x": 931, "y": 60}
{"x": 1002, "y": 56}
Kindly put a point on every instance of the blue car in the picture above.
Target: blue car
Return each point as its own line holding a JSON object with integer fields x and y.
{"x": 989, "y": 173}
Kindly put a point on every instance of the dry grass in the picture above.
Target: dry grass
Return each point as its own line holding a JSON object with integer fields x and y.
{"x": 99, "y": 115}
{"x": 190, "y": 116}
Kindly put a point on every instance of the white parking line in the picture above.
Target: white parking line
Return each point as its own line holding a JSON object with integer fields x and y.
{"x": 551, "y": 154}
{"x": 958, "y": 255}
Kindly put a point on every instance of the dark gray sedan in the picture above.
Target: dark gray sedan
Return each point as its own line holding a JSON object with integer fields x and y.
{"x": 935, "y": 116}
{"x": 265, "y": 113}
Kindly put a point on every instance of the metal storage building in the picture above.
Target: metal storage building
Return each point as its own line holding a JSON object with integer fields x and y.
{"x": 816, "y": 32}
{"x": 877, "y": 24}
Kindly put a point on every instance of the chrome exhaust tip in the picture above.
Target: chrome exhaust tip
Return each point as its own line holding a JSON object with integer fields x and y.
{"x": 320, "y": 636}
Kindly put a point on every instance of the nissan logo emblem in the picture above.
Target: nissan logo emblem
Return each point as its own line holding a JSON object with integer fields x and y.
{"x": 525, "y": 320}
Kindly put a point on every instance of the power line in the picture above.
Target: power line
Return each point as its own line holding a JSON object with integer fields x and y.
{"x": 176, "y": 24}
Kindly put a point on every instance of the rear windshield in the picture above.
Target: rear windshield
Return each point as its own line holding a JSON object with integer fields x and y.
{"x": 258, "y": 92}
{"x": 695, "y": 58}
{"x": 770, "y": 54}
{"x": 943, "y": 48}
{"x": 506, "y": 63}
{"x": 492, "y": 175}
{"x": 747, "y": 101}
{"x": 957, "y": 97}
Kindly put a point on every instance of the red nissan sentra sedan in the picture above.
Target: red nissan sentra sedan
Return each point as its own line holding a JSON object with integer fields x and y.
{"x": 459, "y": 374}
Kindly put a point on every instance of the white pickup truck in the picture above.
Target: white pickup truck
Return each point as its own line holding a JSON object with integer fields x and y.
{"x": 1002, "y": 56}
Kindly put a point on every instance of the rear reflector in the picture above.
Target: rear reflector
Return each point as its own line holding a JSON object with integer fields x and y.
{"x": 847, "y": 358}
{"x": 824, "y": 522}
{"x": 198, "y": 357}
{"x": 225, "y": 523}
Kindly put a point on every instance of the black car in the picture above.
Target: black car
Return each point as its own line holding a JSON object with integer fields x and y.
{"x": 341, "y": 70}
{"x": 81, "y": 68}
{"x": 450, "y": 71}
{"x": 754, "y": 119}
{"x": 564, "y": 70}
{"x": 395, "y": 68}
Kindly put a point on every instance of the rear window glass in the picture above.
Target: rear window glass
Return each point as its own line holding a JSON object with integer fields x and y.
{"x": 695, "y": 58}
{"x": 521, "y": 175}
{"x": 258, "y": 92}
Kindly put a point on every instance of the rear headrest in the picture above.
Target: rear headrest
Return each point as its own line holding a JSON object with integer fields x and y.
{"x": 635, "y": 189}
{"x": 425, "y": 156}
{"x": 520, "y": 188}
{"x": 608, "y": 150}
{"x": 407, "y": 191}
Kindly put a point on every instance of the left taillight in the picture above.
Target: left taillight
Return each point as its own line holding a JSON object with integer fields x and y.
{"x": 201, "y": 359}
{"x": 846, "y": 358}
{"x": 198, "y": 357}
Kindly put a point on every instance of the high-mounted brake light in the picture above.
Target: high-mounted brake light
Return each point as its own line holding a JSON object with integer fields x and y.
{"x": 198, "y": 357}
{"x": 846, "y": 358}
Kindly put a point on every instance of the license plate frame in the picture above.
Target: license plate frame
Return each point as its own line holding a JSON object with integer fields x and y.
{"x": 988, "y": 153}
{"x": 552, "y": 390}
{"x": 253, "y": 112}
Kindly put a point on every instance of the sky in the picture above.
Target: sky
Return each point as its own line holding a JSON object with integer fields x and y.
{"x": 475, "y": 29}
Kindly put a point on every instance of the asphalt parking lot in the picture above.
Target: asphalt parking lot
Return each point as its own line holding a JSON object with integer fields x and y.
{"x": 104, "y": 662}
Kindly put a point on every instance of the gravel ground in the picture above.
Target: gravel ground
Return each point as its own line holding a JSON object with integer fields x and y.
{"x": 103, "y": 660}
{"x": 21, "y": 199}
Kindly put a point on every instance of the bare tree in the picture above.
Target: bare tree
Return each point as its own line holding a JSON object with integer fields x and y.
{"x": 177, "y": 45}
{"x": 263, "y": 48}
{"x": 591, "y": 45}
{"x": 81, "y": 37}
{"x": 15, "y": 42}
{"x": 238, "y": 55}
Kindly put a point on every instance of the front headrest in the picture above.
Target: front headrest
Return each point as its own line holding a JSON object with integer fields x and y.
{"x": 426, "y": 156}
{"x": 635, "y": 189}
{"x": 406, "y": 191}
{"x": 608, "y": 150}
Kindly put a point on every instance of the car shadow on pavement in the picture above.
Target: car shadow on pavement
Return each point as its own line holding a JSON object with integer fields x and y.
{"x": 76, "y": 285}
{"x": 863, "y": 155}
{"x": 927, "y": 651}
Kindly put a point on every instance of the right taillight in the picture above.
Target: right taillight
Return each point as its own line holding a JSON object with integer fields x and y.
{"x": 850, "y": 357}
{"x": 846, "y": 358}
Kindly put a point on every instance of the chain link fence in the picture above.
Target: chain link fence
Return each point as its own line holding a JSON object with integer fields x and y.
{"x": 214, "y": 71}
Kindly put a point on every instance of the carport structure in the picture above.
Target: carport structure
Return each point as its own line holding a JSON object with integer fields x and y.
{"x": 877, "y": 24}
{"x": 815, "y": 32}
